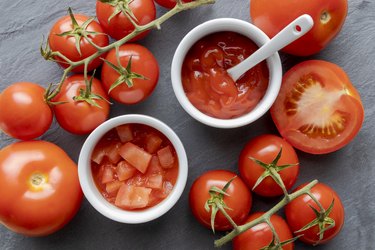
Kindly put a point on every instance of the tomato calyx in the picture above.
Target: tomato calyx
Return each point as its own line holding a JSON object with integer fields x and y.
{"x": 272, "y": 170}
{"x": 121, "y": 6}
{"x": 126, "y": 74}
{"x": 275, "y": 244}
{"x": 78, "y": 32}
{"x": 216, "y": 203}
{"x": 86, "y": 95}
{"x": 322, "y": 220}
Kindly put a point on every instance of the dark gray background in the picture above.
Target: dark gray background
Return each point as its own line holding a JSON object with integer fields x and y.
{"x": 349, "y": 171}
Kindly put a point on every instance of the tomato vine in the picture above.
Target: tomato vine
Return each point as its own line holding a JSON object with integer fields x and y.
{"x": 50, "y": 55}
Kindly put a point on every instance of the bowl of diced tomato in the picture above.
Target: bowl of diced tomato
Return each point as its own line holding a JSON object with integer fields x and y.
{"x": 133, "y": 168}
{"x": 202, "y": 84}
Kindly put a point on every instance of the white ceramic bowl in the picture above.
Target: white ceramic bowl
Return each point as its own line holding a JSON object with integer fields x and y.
{"x": 94, "y": 196}
{"x": 241, "y": 27}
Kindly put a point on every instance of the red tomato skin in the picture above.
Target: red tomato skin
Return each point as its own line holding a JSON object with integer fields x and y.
{"x": 169, "y": 4}
{"x": 120, "y": 26}
{"x": 80, "y": 117}
{"x": 239, "y": 199}
{"x": 298, "y": 213}
{"x": 260, "y": 235}
{"x": 272, "y": 16}
{"x": 333, "y": 79}
{"x": 265, "y": 148}
{"x": 143, "y": 62}
{"x": 26, "y": 210}
{"x": 66, "y": 45}
{"x": 24, "y": 114}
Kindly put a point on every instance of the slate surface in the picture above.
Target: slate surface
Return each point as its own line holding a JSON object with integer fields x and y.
{"x": 350, "y": 171}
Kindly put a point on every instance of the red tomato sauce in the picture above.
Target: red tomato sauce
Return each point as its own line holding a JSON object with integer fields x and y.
{"x": 134, "y": 166}
{"x": 207, "y": 84}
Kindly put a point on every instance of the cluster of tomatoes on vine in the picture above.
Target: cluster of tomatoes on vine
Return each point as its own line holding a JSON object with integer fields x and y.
{"x": 80, "y": 44}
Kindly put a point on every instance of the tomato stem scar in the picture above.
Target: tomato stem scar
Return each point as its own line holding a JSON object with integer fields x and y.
{"x": 325, "y": 17}
{"x": 37, "y": 180}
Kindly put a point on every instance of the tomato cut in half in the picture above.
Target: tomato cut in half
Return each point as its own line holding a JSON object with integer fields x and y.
{"x": 318, "y": 110}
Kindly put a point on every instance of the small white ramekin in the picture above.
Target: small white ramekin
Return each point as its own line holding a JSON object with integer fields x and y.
{"x": 92, "y": 193}
{"x": 218, "y": 25}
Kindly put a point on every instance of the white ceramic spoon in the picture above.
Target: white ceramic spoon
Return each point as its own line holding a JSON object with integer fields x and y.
{"x": 289, "y": 34}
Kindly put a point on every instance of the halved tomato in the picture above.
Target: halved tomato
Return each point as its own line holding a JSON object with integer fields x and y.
{"x": 318, "y": 110}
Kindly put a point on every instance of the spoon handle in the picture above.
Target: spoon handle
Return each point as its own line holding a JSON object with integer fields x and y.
{"x": 289, "y": 34}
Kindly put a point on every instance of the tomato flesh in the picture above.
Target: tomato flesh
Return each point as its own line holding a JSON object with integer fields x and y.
{"x": 137, "y": 180}
{"x": 318, "y": 109}
{"x": 207, "y": 84}
{"x": 136, "y": 156}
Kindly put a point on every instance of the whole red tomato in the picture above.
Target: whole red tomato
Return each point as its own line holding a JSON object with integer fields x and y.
{"x": 24, "y": 114}
{"x": 134, "y": 81}
{"x": 238, "y": 201}
{"x": 261, "y": 236}
{"x": 116, "y": 24}
{"x": 318, "y": 110}
{"x": 273, "y": 15}
{"x": 169, "y": 3}
{"x": 265, "y": 148}
{"x": 80, "y": 116}
{"x": 299, "y": 213}
{"x": 39, "y": 188}
{"x": 67, "y": 44}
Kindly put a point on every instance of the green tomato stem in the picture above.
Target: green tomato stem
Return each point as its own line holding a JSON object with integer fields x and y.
{"x": 266, "y": 216}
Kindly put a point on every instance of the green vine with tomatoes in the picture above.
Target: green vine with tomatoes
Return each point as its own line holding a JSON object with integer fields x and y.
{"x": 79, "y": 32}
{"x": 323, "y": 221}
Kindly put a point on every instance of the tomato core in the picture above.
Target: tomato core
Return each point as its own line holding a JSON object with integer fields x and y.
{"x": 325, "y": 17}
{"x": 208, "y": 85}
{"x": 308, "y": 96}
{"x": 37, "y": 181}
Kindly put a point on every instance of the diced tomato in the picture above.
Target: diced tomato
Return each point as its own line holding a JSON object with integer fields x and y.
{"x": 153, "y": 143}
{"x": 166, "y": 157}
{"x": 98, "y": 155}
{"x": 155, "y": 181}
{"x": 112, "y": 152}
{"x": 131, "y": 197}
{"x": 136, "y": 156}
{"x": 107, "y": 174}
{"x": 113, "y": 187}
{"x": 125, "y": 171}
{"x": 154, "y": 167}
{"x": 124, "y": 133}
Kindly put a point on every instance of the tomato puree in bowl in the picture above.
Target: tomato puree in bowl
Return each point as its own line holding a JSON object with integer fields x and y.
{"x": 134, "y": 166}
{"x": 208, "y": 86}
